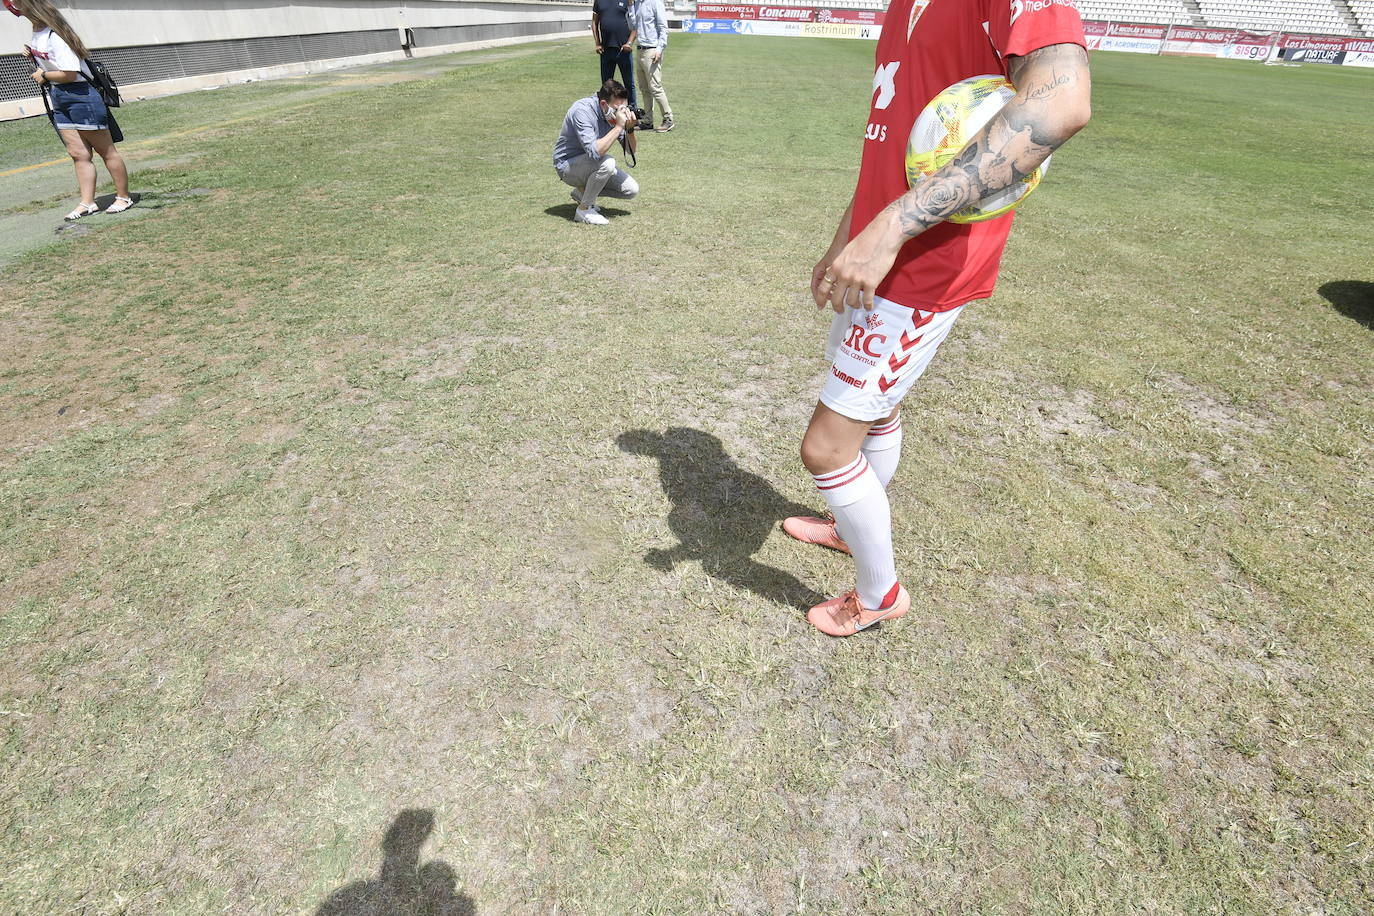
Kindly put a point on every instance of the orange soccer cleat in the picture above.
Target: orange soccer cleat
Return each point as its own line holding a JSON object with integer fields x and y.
{"x": 811, "y": 530}
{"x": 845, "y": 615}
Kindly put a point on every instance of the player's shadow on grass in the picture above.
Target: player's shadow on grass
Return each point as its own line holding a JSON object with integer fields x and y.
{"x": 1352, "y": 298}
{"x": 721, "y": 513}
{"x": 405, "y": 887}
{"x": 565, "y": 211}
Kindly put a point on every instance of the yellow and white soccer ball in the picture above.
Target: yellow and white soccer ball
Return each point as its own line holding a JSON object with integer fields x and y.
{"x": 944, "y": 128}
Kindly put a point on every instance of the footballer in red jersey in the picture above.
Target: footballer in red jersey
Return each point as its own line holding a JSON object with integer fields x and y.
{"x": 898, "y": 274}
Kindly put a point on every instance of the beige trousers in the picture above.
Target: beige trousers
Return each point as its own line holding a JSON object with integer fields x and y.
{"x": 649, "y": 68}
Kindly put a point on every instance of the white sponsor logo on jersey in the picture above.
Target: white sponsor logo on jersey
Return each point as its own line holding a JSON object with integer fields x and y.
{"x": 885, "y": 84}
{"x": 1034, "y": 6}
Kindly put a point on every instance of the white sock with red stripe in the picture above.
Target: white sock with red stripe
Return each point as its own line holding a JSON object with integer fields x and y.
{"x": 883, "y": 449}
{"x": 858, "y": 501}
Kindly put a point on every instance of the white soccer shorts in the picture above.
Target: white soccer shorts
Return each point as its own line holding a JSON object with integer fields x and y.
{"x": 877, "y": 356}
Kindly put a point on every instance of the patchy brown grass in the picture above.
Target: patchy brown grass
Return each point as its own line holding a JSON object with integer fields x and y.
{"x": 381, "y": 537}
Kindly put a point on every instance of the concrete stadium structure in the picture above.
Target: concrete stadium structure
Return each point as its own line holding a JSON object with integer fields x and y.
{"x": 164, "y": 46}
{"x": 158, "y": 47}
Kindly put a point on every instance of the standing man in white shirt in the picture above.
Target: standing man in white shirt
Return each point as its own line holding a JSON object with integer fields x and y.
{"x": 652, "y": 24}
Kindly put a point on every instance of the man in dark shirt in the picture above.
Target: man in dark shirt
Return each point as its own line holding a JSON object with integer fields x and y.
{"x": 613, "y": 30}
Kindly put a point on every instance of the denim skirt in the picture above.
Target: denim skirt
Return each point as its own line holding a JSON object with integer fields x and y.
{"x": 77, "y": 106}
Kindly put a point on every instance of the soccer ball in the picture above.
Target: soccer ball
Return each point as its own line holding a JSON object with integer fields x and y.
{"x": 945, "y": 127}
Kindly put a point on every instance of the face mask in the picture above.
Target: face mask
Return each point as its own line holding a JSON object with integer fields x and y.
{"x": 12, "y": 8}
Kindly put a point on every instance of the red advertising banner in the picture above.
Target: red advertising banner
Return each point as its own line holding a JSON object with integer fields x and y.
{"x": 727, "y": 11}
{"x": 761, "y": 12}
{"x": 1144, "y": 38}
{"x": 1123, "y": 36}
{"x": 1135, "y": 30}
{"x": 748, "y": 11}
{"x": 1327, "y": 43}
{"x": 1250, "y": 46}
{"x": 1136, "y": 37}
{"x": 1205, "y": 36}
{"x": 1099, "y": 29}
{"x": 786, "y": 14}
{"x": 1233, "y": 43}
{"x": 857, "y": 17}
{"x": 1196, "y": 42}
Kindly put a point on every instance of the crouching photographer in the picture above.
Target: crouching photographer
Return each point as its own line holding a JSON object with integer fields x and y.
{"x": 581, "y": 156}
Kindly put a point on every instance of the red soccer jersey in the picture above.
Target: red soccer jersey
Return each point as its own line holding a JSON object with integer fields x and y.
{"x": 926, "y": 46}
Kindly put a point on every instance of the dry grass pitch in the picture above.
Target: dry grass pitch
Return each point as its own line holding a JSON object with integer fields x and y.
{"x": 371, "y": 532}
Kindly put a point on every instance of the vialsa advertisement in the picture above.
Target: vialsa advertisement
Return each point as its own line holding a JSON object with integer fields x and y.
{"x": 758, "y": 12}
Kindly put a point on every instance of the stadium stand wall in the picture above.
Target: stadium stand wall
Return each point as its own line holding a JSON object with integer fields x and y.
{"x": 1363, "y": 11}
{"x": 1350, "y": 18}
{"x": 1160, "y": 11}
{"x": 1309, "y": 33}
{"x": 1346, "y": 18}
{"x": 163, "y": 46}
{"x": 1315, "y": 16}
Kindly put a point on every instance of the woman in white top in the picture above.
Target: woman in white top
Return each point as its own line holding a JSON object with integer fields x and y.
{"x": 79, "y": 113}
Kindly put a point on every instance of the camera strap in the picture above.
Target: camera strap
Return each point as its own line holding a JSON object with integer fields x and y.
{"x": 52, "y": 119}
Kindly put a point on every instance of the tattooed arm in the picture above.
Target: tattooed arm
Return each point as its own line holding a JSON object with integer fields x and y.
{"x": 1052, "y": 103}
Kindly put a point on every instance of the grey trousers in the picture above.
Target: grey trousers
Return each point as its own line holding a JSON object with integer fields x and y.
{"x": 595, "y": 177}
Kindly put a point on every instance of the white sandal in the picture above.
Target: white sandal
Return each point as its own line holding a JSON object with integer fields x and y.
{"x": 119, "y": 205}
{"x": 80, "y": 211}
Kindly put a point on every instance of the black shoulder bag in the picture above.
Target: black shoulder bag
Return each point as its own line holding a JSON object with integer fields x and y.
{"x": 104, "y": 83}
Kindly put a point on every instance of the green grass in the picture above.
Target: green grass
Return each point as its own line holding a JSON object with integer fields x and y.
{"x": 366, "y": 483}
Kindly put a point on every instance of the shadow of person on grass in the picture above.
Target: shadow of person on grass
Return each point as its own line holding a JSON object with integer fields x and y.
{"x": 90, "y": 223}
{"x": 1352, "y": 298}
{"x": 405, "y": 887}
{"x": 721, "y": 513}
{"x": 565, "y": 211}
{"x": 104, "y": 200}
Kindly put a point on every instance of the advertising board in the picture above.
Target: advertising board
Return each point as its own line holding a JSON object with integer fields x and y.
{"x": 1132, "y": 37}
{"x": 768, "y": 27}
{"x": 708, "y": 25}
{"x": 839, "y": 30}
{"x": 1312, "y": 56}
{"x": 1197, "y": 42}
{"x": 766, "y": 13}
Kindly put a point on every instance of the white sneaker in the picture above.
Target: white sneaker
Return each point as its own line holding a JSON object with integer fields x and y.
{"x": 589, "y": 216}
